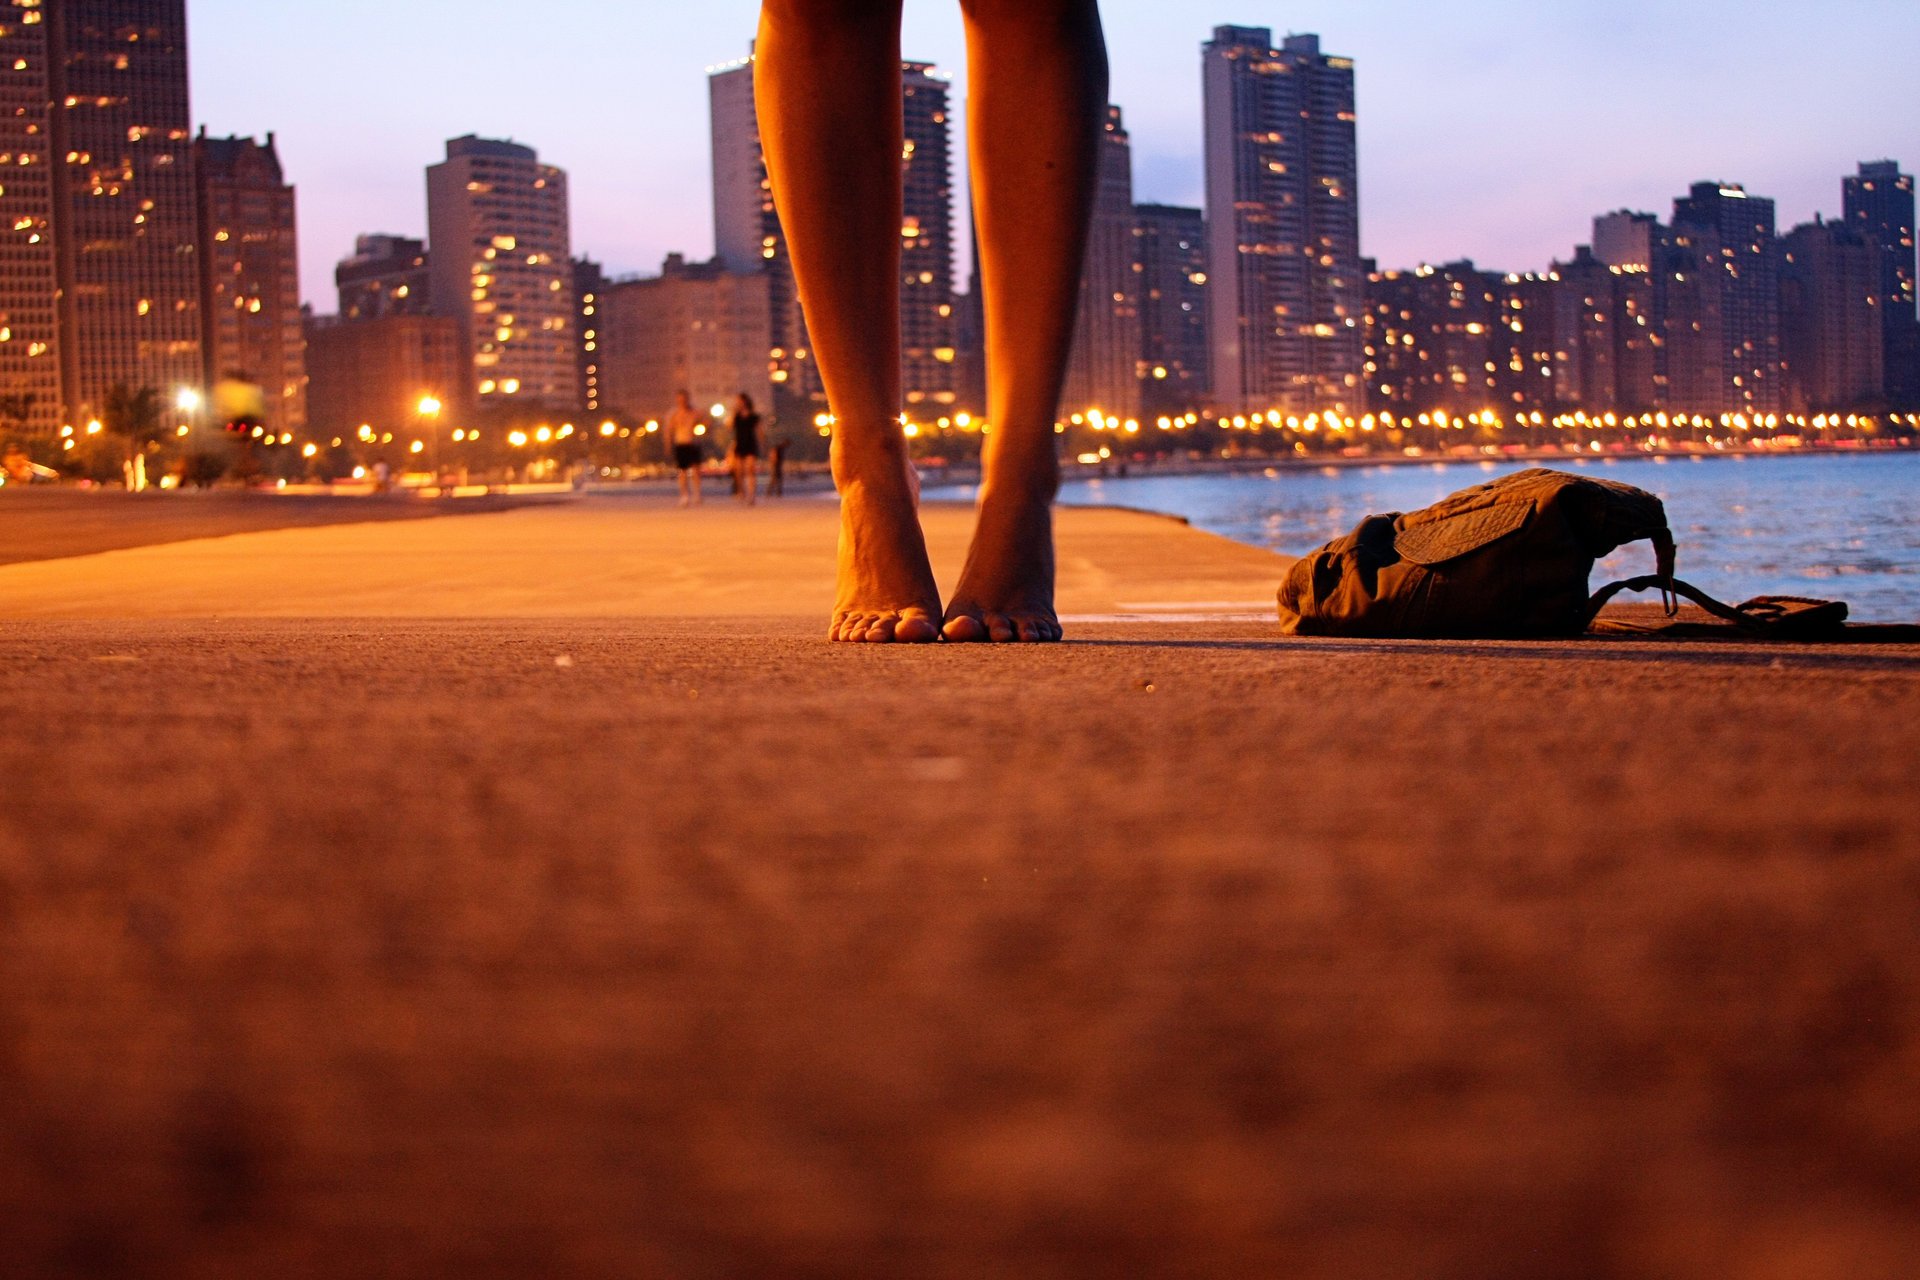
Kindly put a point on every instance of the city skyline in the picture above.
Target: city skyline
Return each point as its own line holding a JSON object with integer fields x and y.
{"x": 1446, "y": 172}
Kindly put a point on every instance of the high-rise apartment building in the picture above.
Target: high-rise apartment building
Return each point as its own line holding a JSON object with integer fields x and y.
{"x": 30, "y": 389}
{"x": 501, "y": 264}
{"x": 748, "y": 237}
{"x": 124, "y": 211}
{"x": 927, "y": 323}
{"x": 1430, "y": 336}
{"x": 1880, "y": 204}
{"x": 1832, "y": 340}
{"x": 589, "y": 282}
{"x": 1103, "y": 367}
{"x": 1283, "y": 223}
{"x": 251, "y": 262}
{"x": 1718, "y": 293}
{"x": 1170, "y": 258}
{"x": 386, "y": 276}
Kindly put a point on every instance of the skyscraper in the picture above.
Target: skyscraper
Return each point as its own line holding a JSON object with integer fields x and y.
{"x": 748, "y": 236}
{"x": 1103, "y": 367}
{"x": 589, "y": 282}
{"x": 1831, "y": 337}
{"x": 251, "y": 261}
{"x": 30, "y": 396}
{"x": 501, "y": 263}
{"x": 1718, "y": 294}
{"x": 1879, "y": 204}
{"x": 1283, "y": 223}
{"x": 927, "y": 322}
{"x": 125, "y": 216}
{"x": 1171, "y": 259}
{"x": 386, "y": 276}
{"x": 1430, "y": 339}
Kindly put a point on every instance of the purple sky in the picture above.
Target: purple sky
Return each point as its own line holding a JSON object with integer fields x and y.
{"x": 1493, "y": 130}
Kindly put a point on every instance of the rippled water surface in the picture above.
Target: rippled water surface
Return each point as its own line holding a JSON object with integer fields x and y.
{"x": 1843, "y": 526}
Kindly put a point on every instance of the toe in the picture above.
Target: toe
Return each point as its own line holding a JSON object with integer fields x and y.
{"x": 1028, "y": 630}
{"x": 965, "y": 629}
{"x": 915, "y": 628}
{"x": 881, "y": 630}
{"x": 1001, "y": 628}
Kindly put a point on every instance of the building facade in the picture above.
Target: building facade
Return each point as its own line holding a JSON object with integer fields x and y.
{"x": 386, "y": 276}
{"x": 125, "y": 208}
{"x": 250, "y": 258}
{"x": 375, "y": 373}
{"x": 30, "y": 387}
{"x": 1283, "y": 224}
{"x": 697, "y": 326}
{"x": 929, "y": 380}
{"x": 1832, "y": 341}
{"x": 1429, "y": 339}
{"x": 1879, "y": 204}
{"x": 1170, "y": 259}
{"x": 748, "y": 237}
{"x": 1103, "y": 366}
{"x": 1719, "y": 295}
{"x": 589, "y": 282}
{"x": 502, "y": 265}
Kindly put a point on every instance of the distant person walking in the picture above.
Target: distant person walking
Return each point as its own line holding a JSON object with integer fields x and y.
{"x": 746, "y": 450}
{"x": 777, "y": 469}
{"x": 683, "y": 438}
{"x": 827, "y": 76}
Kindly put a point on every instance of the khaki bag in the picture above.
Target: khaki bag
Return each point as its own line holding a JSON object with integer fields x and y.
{"x": 1510, "y": 558}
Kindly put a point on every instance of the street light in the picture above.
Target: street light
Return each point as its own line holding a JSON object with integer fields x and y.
{"x": 429, "y": 410}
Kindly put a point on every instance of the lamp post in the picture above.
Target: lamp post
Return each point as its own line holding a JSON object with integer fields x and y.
{"x": 429, "y": 409}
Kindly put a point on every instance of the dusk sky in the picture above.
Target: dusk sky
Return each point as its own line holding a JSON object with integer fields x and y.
{"x": 1494, "y": 130}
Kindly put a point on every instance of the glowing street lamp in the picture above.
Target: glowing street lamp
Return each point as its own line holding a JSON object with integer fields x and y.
{"x": 429, "y": 411}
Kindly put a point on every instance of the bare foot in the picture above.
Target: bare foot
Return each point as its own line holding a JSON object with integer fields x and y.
{"x": 886, "y": 593}
{"x": 1006, "y": 591}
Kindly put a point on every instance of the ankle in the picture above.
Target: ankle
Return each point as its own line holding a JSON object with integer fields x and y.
{"x": 868, "y": 456}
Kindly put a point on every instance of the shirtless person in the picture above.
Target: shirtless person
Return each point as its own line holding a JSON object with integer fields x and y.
{"x": 828, "y": 85}
{"x": 683, "y": 437}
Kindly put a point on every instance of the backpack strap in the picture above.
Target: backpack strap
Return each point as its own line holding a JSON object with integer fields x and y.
{"x": 1782, "y": 616}
{"x": 1671, "y": 589}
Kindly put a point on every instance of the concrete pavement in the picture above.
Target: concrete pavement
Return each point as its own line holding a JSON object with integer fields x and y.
{"x": 345, "y": 934}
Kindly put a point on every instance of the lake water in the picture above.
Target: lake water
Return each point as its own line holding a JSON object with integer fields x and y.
{"x": 1836, "y": 526}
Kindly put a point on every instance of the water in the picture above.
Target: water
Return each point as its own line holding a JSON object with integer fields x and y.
{"x": 1837, "y": 526}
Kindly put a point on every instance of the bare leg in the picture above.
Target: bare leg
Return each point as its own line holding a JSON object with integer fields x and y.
{"x": 827, "y": 78}
{"x": 1039, "y": 75}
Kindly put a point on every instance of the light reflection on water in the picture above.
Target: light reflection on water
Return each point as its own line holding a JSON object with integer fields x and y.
{"x": 1824, "y": 525}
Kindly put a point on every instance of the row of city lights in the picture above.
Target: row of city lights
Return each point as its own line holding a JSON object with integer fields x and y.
{"x": 1345, "y": 424}
{"x": 1332, "y": 423}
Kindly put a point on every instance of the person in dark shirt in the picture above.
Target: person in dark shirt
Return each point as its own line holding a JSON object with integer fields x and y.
{"x": 827, "y": 77}
{"x": 777, "y": 469}
{"x": 746, "y": 450}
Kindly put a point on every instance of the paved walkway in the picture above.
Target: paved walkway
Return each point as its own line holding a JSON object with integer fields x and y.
{"x": 577, "y": 923}
{"x": 611, "y": 556}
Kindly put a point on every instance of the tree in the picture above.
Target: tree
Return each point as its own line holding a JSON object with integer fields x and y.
{"x": 138, "y": 417}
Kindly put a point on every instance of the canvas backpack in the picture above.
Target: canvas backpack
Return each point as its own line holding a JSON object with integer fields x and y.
{"x": 1506, "y": 559}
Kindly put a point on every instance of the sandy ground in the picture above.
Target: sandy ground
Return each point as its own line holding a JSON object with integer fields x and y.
{"x": 384, "y": 941}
